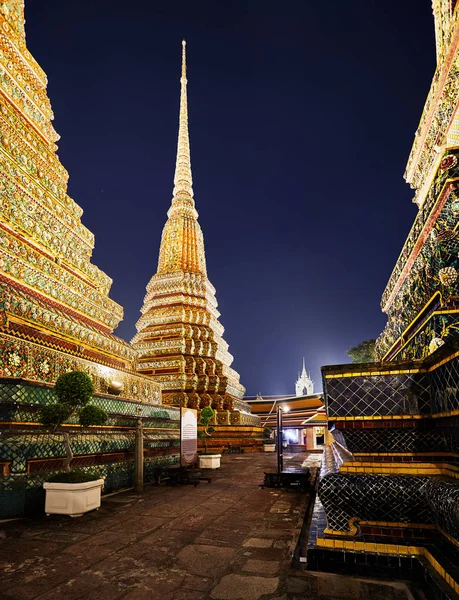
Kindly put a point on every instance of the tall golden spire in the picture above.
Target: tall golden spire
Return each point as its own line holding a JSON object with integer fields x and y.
{"x": 183, "y": 182}
{"x": 182, "y": 243}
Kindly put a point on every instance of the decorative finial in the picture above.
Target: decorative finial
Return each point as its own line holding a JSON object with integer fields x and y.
{"x": 184, "y": 59}
{"x": 183, "y": 181}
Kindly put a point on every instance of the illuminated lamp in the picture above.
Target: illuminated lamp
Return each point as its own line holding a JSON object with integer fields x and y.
{"x": 115, "y": 388}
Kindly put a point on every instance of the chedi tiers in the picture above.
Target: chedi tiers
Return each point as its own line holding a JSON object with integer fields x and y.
{"x": 55, "y": 311}
{"x": 179, "y": 338}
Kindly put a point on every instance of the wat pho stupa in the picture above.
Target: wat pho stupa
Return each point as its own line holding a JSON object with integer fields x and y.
{"x": 179, "y": 337}
{"x": 55, "y": 309}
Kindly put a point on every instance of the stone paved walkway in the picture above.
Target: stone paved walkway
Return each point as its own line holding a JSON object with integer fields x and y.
{"x": 227, "y": 540}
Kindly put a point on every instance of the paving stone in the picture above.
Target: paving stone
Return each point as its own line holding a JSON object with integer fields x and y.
{"x": 142, "y": 593}
{"x": 188, "y": 595}
{"x": 272, "y": 532}
{"x": 168, "y": 540}
{"x": 139, "y": 526}
{"x": 93, "y": 553}
{"x": 384, "y": 591}
{"x": 281, "y": 507}
{"x": 168, "y": 510}
{"x": 241, "y": 587}
{"x": 65, "y": 537}
{"x": 301, "y": 585}
{"x": 78, "y": 587}
{"x": 171, "y": 543}
{"x": 162, "y": 581}
{"x": 222, "y": 536}
{"x": 337, "y": 586}
{"x": 32, "y": 547}
{"x": 204, "y": 560}
{"x": 268, "y": 554}
{"x": 107, "y": 591}
{"x": 194, "y": 582}
{"x": 116, "y": 539}
{"x": 258, "y": 543}
{"x": 267, "y": 567}
{"x": 193, "y": 520}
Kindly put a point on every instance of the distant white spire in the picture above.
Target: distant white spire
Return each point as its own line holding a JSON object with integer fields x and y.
{"x": 304, "y": 385}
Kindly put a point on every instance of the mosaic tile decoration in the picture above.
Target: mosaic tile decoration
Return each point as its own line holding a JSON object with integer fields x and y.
{"x": 368, "y": 395}
{"x": 432, "y": 326}
{"x": 20, "y": 402}
{"x": 378, "y": 395}
{"x": 27, "y": 360}
{"x": 395, "y": 498}
{"x": 443, "y": 499}
{"x": 429, "y": 278}
{"x": 445, "y": 387}
{"x": 400, "y": 440}
{"x": 19, "y": 447}
{"x": 371, "y": 555}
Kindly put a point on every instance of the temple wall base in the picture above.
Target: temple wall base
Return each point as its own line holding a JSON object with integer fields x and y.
{"x": 29, "y": 454}
{"x": 234, "y": 438}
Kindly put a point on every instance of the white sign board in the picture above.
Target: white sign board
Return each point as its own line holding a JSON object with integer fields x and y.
{"x": 188, "y": 436}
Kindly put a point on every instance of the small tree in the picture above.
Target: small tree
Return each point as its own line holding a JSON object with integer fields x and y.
{"x": 364, "y": 352}
{"x": 205, "y": 419}
{"x": 74, "y": 392}
{"x": 267, "y": 434}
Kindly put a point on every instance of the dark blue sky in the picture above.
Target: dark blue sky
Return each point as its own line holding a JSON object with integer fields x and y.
{"x": 302, "y": 116}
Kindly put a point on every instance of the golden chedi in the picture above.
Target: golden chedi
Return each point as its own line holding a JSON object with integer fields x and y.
{"x": 55, "y": 311}
{"x": 179, "y": 338}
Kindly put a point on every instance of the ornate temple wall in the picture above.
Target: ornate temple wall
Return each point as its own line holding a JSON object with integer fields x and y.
{"x": 390, "y": 481}
{"x": 421, "y": 298}
{"x": 389, "y": 487}
{"x": 29, "y": 454}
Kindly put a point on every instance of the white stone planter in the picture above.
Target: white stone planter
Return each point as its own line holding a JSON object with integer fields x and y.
{"x": 209, "y": 461}
{"x": 269, "y": 447}
{"x": 72, "y": 499}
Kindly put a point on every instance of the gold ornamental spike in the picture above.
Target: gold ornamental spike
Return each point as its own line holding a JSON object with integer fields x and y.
{"x": 182, "y": 243}
{"x": 183, "y": 182}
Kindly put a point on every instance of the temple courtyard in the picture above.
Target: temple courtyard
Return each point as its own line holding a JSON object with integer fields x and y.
{"x": 226, "y": 540}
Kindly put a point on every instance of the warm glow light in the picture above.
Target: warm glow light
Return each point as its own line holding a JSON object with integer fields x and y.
{"x": 116, "y": 385}
{"x": 104, "y": 371}
{"x": 291, "y": 435}
{"x": 285, "y": 408}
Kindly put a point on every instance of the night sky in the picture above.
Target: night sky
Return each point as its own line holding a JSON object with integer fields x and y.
{"x": 302, "y": 116}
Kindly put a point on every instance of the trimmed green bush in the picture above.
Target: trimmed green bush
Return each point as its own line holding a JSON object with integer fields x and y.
{"x": 92, "y": 415}
{"x": 54, "y": 414}
{"x": 73, "y": 477}
{"x": 74, "y": 389}
{"x": 205, "y": 418}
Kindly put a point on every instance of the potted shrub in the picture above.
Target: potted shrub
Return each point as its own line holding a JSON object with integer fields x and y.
{"x": 269, "y": 444}
{"x": 77, "y": 492}
{"x": 207, "y": 461}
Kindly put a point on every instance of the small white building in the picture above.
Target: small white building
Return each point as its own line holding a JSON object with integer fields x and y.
{"x": 304, "y": 385}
